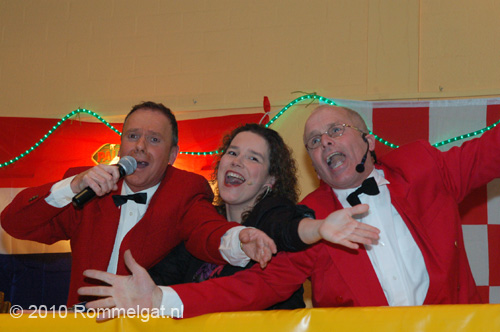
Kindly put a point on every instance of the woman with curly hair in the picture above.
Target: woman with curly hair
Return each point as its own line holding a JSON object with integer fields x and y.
{"x": 256, "y": 186}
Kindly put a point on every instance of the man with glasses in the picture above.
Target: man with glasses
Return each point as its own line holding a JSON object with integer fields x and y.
{"x": 413, "y": 195}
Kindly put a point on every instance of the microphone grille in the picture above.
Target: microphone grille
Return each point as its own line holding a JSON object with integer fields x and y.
{"x": 129, "y": 164}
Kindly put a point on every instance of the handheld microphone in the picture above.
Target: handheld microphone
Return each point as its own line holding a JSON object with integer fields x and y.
{"x": 360, "y": 168}
{"x": 126, "y": 166}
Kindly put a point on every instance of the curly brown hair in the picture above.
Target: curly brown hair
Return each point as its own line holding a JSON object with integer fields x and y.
{"x": 281, "y": 164}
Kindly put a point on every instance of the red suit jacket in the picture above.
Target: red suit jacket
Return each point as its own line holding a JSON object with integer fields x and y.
{"x": 180, "y": 210}
{"x": 426, "y": 186}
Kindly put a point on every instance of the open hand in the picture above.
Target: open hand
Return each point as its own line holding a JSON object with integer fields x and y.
{"x": 257, "y": 245}
{"x": 134, "y": 292}
{"x": 340, "y": 228}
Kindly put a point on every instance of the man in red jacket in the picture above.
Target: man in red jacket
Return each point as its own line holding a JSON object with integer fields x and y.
{"x": 413, "y": 194}
{"x": 176, "y": 206}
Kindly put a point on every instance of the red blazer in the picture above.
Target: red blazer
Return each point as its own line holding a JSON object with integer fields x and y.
{"x": 426, "y": 186}
{"x": 180, "y": 210}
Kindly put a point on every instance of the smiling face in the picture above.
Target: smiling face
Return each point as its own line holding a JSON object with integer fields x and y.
{"x": 336, "y": 158}
{"x": 147, "y": 136}
{"x": 243, "y": 171}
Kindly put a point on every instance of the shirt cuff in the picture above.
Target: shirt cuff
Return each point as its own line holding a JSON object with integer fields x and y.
{"x": 61, "y": 193}
{"x": 171, "y": 303}
{"x": 230, "y": 247}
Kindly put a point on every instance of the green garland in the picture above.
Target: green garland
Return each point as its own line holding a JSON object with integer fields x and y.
{"x": 309, "y": 97}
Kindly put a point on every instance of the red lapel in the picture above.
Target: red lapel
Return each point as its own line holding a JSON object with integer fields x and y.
{"x": 354, "y": 266}
{"x": 102, "y": 226}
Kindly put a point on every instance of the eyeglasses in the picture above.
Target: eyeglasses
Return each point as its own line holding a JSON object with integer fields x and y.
{"x": 336, "y": 130}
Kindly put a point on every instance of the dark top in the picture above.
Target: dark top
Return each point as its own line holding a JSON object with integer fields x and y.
{"x": 276, "y": 216}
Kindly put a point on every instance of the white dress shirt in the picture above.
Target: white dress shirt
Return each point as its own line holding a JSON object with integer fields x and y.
{"x": 396, "y": 259}
{"x": 130, "y": 214}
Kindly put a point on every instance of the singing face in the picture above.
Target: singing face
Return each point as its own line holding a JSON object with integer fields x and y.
{"x": 244, "y": 170}
{"x": 147, "y": 136}
{"x": 335, "y": 159}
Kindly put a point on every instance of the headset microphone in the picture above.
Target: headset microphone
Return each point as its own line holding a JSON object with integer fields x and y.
{"x": 360, "y": 168}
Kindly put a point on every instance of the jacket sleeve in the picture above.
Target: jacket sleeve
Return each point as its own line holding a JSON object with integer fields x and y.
{"x": 459, "y": 170}
{"x": 29, "y": 217}
{"x": 251, "y": 289}
{"x": 473, "y": 164}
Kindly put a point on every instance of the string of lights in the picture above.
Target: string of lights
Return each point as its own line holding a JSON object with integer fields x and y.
{"x": 309, "y": 97}
{"x": 53, "y": 129}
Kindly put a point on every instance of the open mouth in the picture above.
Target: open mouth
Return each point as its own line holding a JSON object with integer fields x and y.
{"x": 335, "y": 160}
{"x": 233, "y": 179}
{"x": 142, "y": 164}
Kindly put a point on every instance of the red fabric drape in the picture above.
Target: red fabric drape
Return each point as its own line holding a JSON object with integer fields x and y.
{"x": 74, "y": 142}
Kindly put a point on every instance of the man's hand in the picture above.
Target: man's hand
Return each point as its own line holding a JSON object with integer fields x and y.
{"x": 136, "y": 291}
{"x": 101, "y": 179}
{"x": 339, "y": 227}
{"x": 257, "y": 245}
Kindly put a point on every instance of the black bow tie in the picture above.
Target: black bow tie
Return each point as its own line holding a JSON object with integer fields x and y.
{"x": 369, "y": 187}
{"x": 139, "y": 198}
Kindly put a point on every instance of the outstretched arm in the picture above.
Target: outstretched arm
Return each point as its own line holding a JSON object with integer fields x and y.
{"x": 252, "y": 289}
{"x": 340, "y": 228}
